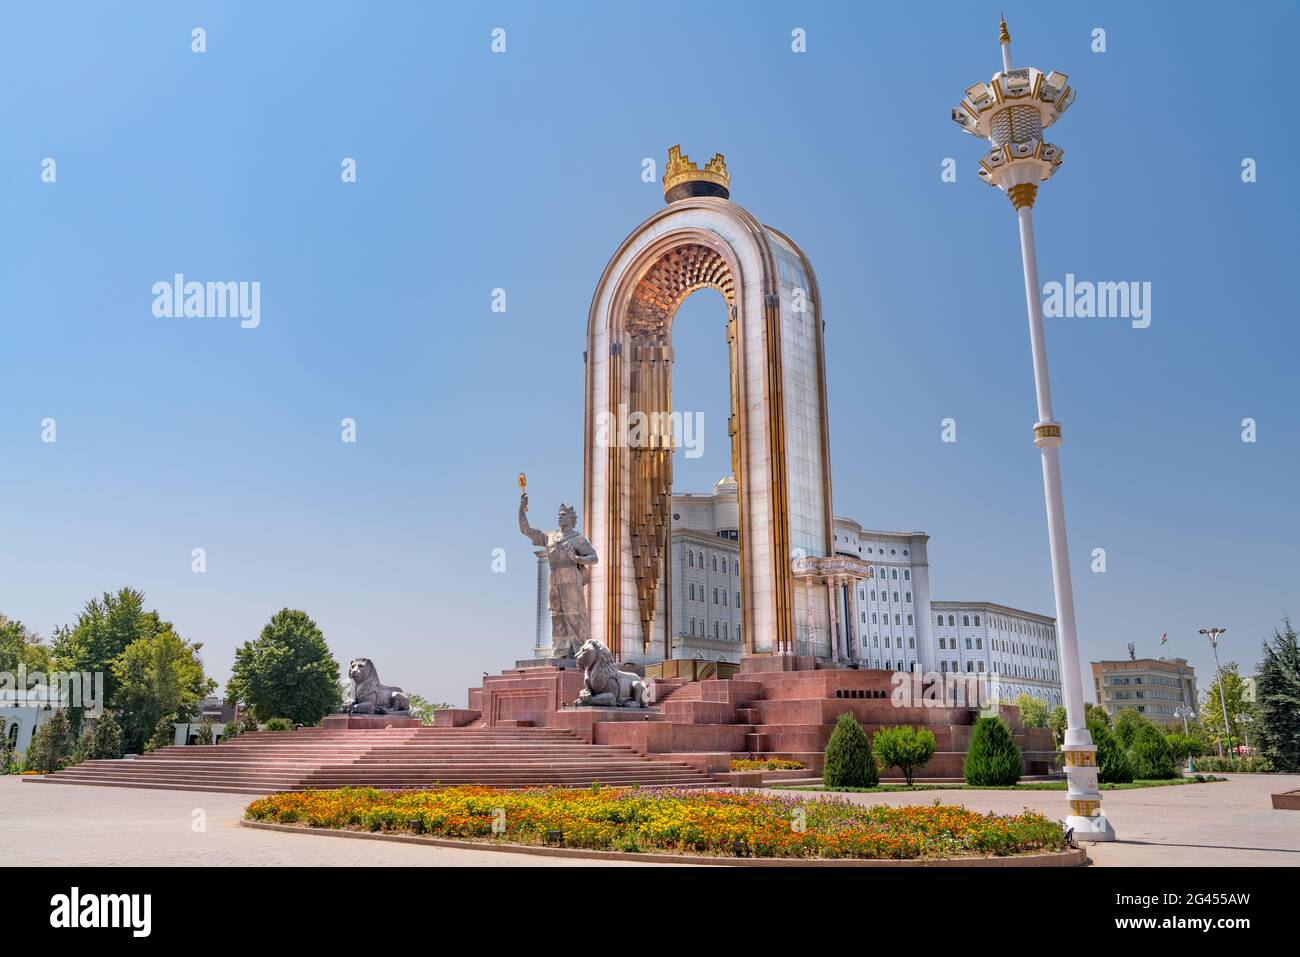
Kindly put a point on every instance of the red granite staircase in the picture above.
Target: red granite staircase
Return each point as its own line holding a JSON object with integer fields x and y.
{"x": 268, "y": 761}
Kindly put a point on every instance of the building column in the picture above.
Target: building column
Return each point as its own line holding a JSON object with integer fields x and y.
{"x": 542, "y": 644}
{"x": 836, "y": 642}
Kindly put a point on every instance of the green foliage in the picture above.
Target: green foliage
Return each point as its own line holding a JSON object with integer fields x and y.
{"x": 1277, "y": 729}
{"x": 163, "y": 735}
{"x": 992, "y": 759}
{"x": 104, "y": 629}
{"x": 425, "y": 709}
{"x": 1114, "y": 766}
{"x": 1254, "y": 763}
{"x": 279, "y": 724}
{"x": 204, "y": 734}
{"x": 8, "y": 764}
{"x": 51, "y": 745}
{"x": 1152, "y": 759}
{"x": 848, "y": 761}
{"x": 230, "y": 731}
{"x": 1094, "y": 712}
{"x": 1232, "y": 690}
{"x": 101, "y": 739}
{"x": 1057, "y": 721}
{"x": 1126, "y": 726}
{"x": 904, "y": 747}
{"x": 18, "y": 646}
{"x": 1183, "y": 746}
{"x": 159, "y": 678}
{"x": 1033, "y": 711}
{"x": 287, "y": 671}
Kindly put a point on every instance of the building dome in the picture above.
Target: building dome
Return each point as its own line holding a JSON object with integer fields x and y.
{"x": 725, "y": 484}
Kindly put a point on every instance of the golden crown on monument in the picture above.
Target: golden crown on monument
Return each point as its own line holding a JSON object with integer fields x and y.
{"x": 680, "y": 170}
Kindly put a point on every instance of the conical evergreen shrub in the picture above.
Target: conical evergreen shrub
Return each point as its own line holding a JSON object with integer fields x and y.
{"x": 1152, "y": 758}
{"x": 1114, "y": 766}
{"x": 848, "y": 762}
{"x": 992, "y": 760}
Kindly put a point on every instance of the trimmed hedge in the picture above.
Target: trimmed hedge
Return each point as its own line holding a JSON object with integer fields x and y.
{"x": 848, "y": 762}
{"x": 992, "y": 759}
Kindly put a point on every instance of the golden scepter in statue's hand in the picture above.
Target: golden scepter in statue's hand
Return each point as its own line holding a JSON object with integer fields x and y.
{"x": 523, "y": 490}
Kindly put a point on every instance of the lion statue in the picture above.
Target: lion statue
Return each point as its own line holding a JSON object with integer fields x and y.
{"x": 604, "y": 686}
{"x": 366, "y": 695}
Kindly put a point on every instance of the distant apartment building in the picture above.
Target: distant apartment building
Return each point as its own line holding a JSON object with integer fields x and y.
{"x": 1155, "y": 687}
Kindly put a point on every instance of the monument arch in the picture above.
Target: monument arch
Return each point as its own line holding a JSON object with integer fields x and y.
{"x": 777, "y": 423}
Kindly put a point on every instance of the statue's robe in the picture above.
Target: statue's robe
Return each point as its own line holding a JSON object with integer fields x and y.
{"x": 570, "y": 556}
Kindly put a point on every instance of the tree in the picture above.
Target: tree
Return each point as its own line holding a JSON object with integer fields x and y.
{"x": 288, "y": 671}
{"x": 1234, "y": 691}
{"x": 1127, "y": 724}
{"x": 1114, "y": 766}
{"x": 159, "y": 679}
{"x": 1184, "y": 746}
{"x": 18, "y": 646}
{"x": 103, "y": 630}
{"x": 1095, "y": 712}
{"x": 51, "y": 744}
{"x": 903, "y": 747}
{"x": 101, "y": 739}
{"x": 847, "y": 762}
{"x": 1057, "y": 721}
{"x": 1152, "y": 759}
{"x": 163, "y": 736}
{"x": 992, "y": 758}
{"x": 425, "y": 709}
{"x": 1033, "y": 711}
{"x": 1278, "y": 700}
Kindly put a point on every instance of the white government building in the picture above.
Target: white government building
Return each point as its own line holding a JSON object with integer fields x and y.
{"x": 890, "y": 621}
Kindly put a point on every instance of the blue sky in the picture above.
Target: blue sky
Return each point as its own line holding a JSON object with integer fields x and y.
{"x": 522, "y": 171}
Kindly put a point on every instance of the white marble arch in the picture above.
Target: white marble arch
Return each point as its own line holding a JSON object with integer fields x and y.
{"x": 784, "y": 458}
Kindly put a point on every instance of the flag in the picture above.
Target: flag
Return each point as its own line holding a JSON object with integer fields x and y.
{"x": 1164, "y": 639}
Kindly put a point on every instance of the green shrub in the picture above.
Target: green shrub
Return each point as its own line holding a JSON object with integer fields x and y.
{"x": 204, "y": 734}
{"x": 1183, "y": 746}
{"x": 1114, "y": 766}
{"x": 230, "y": 731}
{"x": 51, "y": 744}
{"x": 848, "y": 762}
{"x": 1253, "y": 763}
{"x": 164, "y": 734}
{"x": 279, "y": 724}
{"x": 101, "y": 739}
{"x": 992, "y": 759}
{"x": 1128, "y": 723}
{"x": 1152, "y": 759}
{"x": 903, "y": 747}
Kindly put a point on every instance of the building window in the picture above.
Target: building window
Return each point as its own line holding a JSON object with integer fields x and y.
{"x": 968, "y": 642}
{"x": 690, "y": 558}
{"x": 894, "y": 576}
{"x": 715, "y": 563}
{"x": 896, "y": 620}
{"x": 909, "y": 619}
{"x": 715, "y": 596}
{"x": 909, "y": 598}
{"x": 951, "y": 621}
{"x": 977, "y": 621}
{"x": 939, "y": 621}
{"x": 907, "y": 573}
{"x": 965, "y": 620}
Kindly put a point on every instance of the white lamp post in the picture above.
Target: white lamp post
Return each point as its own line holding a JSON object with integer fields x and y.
{"x": 1213, "y": 635}
{"x": 1184, "y": 712}
{"x": 1011, "y": 111}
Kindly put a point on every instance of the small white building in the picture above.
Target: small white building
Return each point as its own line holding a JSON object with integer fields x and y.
{"x": 22, "y": 712}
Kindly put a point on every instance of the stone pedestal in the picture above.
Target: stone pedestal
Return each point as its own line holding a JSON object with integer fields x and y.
{"x": 347, "y": 722}
{"x": 560, "y": 663}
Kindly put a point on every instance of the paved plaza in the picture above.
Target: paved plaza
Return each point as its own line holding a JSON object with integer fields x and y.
{"x": 1230, "y": 823}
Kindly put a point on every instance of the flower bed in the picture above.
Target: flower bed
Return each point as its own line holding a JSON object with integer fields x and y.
{"x": 765, "y": 764}
{"x": 665, "y": 820}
